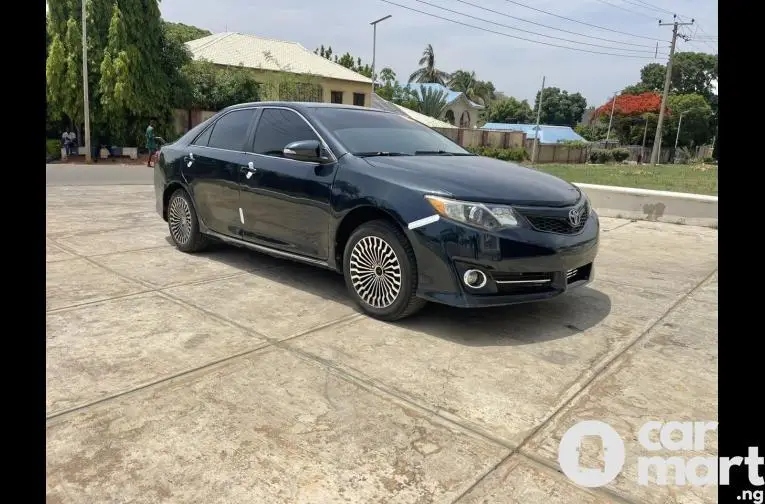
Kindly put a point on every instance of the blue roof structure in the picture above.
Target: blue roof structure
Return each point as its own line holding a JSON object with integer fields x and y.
{"x": 548, "y": 134}
{"x": 451, "y": 95}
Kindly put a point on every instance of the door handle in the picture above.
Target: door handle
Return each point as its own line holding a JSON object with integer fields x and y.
{"x": 250, "y": 168}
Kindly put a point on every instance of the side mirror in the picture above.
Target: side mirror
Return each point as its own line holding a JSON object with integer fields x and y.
{"x": 306, "y": 150}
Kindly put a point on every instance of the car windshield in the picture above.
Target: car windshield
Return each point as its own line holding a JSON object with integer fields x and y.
{"x": 369, "y": 133}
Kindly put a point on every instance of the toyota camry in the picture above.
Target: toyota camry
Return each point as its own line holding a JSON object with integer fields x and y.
{"x": 403, "y": 213}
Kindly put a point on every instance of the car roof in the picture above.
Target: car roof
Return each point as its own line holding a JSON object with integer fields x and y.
{"x": 305, "y": 105}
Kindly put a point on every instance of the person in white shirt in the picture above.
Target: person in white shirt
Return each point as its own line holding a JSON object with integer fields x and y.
{"x": 65, "y": 142}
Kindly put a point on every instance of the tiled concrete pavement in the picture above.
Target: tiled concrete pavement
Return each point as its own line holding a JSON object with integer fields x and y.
{"x": 231, "y": 377}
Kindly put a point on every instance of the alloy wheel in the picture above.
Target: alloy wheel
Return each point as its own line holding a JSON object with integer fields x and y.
{"x": 179, "y": 220}
{"x": 375, "y": 272}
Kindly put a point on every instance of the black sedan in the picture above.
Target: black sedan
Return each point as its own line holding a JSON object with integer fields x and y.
{"x": 405, "y": 214}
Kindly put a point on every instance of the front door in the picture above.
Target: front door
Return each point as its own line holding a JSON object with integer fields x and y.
{"x": 212, "y": 170}
{"x": 285, "y": 203}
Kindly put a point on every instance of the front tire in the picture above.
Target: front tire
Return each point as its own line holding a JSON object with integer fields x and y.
{"x": 183, "y": 223}
{"x": 381, "y": 271}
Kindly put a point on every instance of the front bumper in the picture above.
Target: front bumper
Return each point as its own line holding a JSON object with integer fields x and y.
{"x": 521, "y": 265}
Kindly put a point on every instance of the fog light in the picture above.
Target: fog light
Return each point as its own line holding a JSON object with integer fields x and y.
{"x": 475, "y": 279}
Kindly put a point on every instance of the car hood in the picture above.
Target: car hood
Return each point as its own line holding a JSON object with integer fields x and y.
{"x": 476, "y": 178}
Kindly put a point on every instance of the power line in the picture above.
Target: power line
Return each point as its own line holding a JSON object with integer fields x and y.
{"x": 582, "y": 22}
{"x": 600, "y": 46}
{"x": 514, "y": 36}
{"x": 655, "y": 7}
{"x": 553, "y": 27}
{"x": 626, "y": 9}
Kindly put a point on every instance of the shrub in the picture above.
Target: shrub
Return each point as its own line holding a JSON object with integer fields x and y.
{"x": 53, "y": 148}
{"x": 620, "y": 155}
{"x": 601, "y": 156}
{"x": 515, "y": 154}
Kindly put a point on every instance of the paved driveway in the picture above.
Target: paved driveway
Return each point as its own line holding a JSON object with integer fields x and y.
{"x": 231, "y": 377}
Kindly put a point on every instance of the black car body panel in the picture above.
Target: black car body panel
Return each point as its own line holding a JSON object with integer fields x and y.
{"x": 303, "y": 210}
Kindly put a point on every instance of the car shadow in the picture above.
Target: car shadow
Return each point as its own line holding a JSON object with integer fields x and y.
{"x": 522, "y": 324}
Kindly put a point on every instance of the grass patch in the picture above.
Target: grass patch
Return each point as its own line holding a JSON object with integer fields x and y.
{"x": 697, "y": 179}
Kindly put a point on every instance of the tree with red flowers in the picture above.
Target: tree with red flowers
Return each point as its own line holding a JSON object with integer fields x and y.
{"x": 630, "y": 105}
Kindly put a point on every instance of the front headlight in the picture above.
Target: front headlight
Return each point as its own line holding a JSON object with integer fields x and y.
{"x": 484, "y": 215}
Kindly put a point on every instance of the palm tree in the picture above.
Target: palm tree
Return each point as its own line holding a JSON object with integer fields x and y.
{"x": 428, "y": 72}
{"x": 432, "y": 102}
{"x": 466, "y": 82}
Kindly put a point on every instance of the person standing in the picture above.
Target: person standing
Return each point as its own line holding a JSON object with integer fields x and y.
{"x": 65, "y": 143}
{"x": 151, "y": 142}
{"x": 73, "y": 147}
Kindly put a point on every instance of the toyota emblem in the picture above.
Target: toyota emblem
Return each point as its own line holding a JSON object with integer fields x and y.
{"x": 575, "y": 216}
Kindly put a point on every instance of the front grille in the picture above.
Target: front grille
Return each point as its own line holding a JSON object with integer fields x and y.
{"x": 559, "y": 224}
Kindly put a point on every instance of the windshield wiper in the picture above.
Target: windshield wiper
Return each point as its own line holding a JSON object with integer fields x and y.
{"x": 440, "y": 153}
{"x": 379, "y": 153}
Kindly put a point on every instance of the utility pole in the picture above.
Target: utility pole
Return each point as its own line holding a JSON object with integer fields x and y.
{"x": 611, "y": 120}
{"x": 679, "y": 124}
{"x": 539, "y": 116}
{"x": 374, "y": 46}
{"x": 86, "y": 101}
{"x": 645, "y": 133}
{"x": 667, "y": 82}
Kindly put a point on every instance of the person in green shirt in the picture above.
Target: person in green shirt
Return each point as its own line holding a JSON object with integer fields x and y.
{"x": 151, "y": 142}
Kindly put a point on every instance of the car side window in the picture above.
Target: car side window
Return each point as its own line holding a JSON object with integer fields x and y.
{"x": 203, "y": 139}
{"x": 277, "y": 128}
{"x": 230, "y": 131}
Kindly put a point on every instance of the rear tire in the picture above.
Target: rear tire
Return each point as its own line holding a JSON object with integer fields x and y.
{"x": 380, "y": 271}
{"x": 183, "y": 223}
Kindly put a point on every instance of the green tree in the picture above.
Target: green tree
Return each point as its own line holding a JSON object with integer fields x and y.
{"x": 387, "y": 76}
{"x": 119, "y": 95}
{"x": 432, "y": 102}
{"x": 560, "y": 108}
{"x": 428, "y": 73}
{"x": 475, "y": 90}
{"x": 183, "y": 33}
{"x": 509, "y": 111}
{"x": 692, "y": 73}
{"x": 696, "y": 114}
{"x": 347, "y": 60}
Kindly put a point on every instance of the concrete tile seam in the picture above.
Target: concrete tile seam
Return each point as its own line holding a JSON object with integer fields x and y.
{"x": 551, "y": 468}
{"x": 61, "y": 309}
{"x": 362, "y": 380}
{"x": 619, "y": 226}
{"x": 250, "y": 330}
{"x": 378, "y": 388}
{"x": 596, "y": 375}
{"x": 153, "y": 287}
{"x": 186, "y": 372}
{"x": 57, "y": 236}
{"x": 269, "y": 343}
{"x": 127, "y": 251}
{"x": 149, "y": 290}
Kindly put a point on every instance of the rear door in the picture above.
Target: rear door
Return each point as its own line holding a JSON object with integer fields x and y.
{"x": 285, "y": 203}
{"x": 213, "y": 167}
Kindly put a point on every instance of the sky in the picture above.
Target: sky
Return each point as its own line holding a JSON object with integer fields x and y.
{"x": 516, "y": 67}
